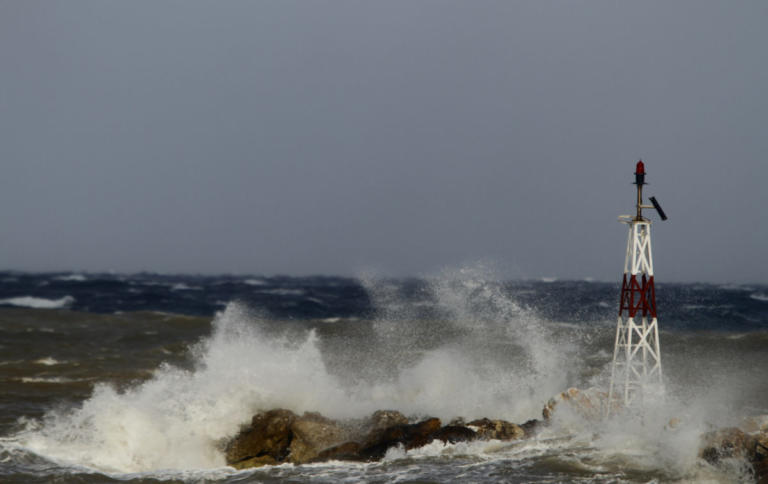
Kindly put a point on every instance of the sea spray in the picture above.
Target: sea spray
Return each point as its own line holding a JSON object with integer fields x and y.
{"x": 501, "y": 356}
{"x": 459, "y": 344}
{"x": 179, "y": 418}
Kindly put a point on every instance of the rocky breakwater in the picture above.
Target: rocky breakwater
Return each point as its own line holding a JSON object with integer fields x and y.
{"x": 747, "y": 443}
{"x": 279, "y": 436}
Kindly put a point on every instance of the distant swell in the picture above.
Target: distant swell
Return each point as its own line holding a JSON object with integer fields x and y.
{"x": 38, "y": 302}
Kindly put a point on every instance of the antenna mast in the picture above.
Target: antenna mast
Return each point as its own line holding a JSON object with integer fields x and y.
{"x": 636, "y": 364}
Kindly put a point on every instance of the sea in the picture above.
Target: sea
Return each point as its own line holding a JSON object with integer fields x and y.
{"x": 142, "y": 378}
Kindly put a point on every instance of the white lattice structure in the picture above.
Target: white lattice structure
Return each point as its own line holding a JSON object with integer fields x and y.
{"x": 636, "y": 365}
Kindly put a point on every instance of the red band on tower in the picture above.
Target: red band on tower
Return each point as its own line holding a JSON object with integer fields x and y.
{"x": 638, "y": 296}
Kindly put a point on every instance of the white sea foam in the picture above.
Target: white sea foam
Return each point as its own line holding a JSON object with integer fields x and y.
{"x": 175, "y": 419}
{"x": 38, "y": 302}
{"x": 487, "y": 356}
{"x": 254, "y": 282}
{"x": 184, "y": 287}
{"x": 49, "y": 379}
{"x": 759, "y": 296}
{"x": 178, "y": 417}
{"x": 71, "y": 278}
{"x": 47, "y": 361}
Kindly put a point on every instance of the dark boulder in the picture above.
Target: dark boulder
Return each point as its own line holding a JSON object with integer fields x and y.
{"x": 279, "y": 436}
{"x": 311, "y": 434}
{"x": 409, "y": 436}
{"x": 269, "y": 437}
{"x": 726, "y": 443}
{"x": 454, "y": 433}
{"x": 731, "y": 443}
{"x": 532, "y": 427}
{"x": 345, "y": 451}
{"x": 497, "y": 429}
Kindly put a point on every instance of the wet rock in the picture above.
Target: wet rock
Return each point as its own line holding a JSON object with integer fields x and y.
{"x": 268, "y": 436}
{"x": 735, "y": 443}
{"x": 726, "y": 443}
{"x": 454, "y": 433}
{"x": 497, "y": 429}
{"x": 532, "y": 427}
{"x": 758, "y": 423}
{"x": 345, "y": 451}
{"x": 590, "y": 404}
{"x": 311, "y": 434}
{"x": 264, "y": 460}
{"x": 760, "y": 458}
{"x": 458, "y": 421}
{"x": 382, "y": 419}
{"x": 280, "y": 436}
{"x": 409, "y": 436}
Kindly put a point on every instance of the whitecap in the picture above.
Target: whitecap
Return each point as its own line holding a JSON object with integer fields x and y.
{"x": 184, "y": 287}
{"x": 254, "y": 282}
{"x": 47, "y": 361}
{"x": 38, "y": 302}
{"x": 758, "y": 296}
{"x": 71, "y": 278}
{"x": 50, "y": 379}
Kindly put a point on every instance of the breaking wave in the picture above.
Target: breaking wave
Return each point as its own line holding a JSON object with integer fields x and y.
{"x": 474, "y": 351}
{"x": 38, "y": 302}
{"x": 447, "y": 368}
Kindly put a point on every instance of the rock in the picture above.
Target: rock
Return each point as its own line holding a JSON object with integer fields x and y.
{"x": 589, "y": 404}
{"x": 420, "y": 434}
{"x": 264, "y": 460}
{"x": 726, "y": 443}
{"x": 761, "y": 457}
{"x": 345, "y": 451}
{"x": 454, "y": 433}
{"x": 313, "y": 433}
{"x": 753, "y": 424}
{"x": 532, "y": 427}
{"x": 279, "y": 436}
{"x": 410, "y": 436}
{"x": 458, "y": 421}
{"x": 268, "y": 435}
{"x": 734, "y": 443}
{"x": 382, "y": 419}
{"x": 497, "y": 429}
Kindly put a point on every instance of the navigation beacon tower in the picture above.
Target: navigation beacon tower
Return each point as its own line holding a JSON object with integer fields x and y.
{"x": 636, "y": 353}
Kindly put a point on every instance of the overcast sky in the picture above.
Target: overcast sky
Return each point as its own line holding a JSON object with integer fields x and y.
{"x": 400, "y": 137}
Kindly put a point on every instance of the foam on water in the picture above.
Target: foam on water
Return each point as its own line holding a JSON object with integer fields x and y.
{"x": 481, "y": 355}
{"x": 38, "y": 302}
{"x": 71, "y": 278}
{"x": 178, "y": 418}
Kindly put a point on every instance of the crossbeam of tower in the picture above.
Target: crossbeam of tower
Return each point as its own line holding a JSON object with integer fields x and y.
{"x": 636, "y": 364}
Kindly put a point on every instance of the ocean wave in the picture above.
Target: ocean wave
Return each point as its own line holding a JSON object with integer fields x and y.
{"x": 38, "y": 302}
{"x": 184, "y": 287}
{"x": 254, "y": 282}
{"x": 758, "y": 296}
{"x": 51, "y": 379}
{"x": 71, "y": 278}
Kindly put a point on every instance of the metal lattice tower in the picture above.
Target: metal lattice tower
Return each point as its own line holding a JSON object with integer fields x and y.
{"x": 636, "y": 354}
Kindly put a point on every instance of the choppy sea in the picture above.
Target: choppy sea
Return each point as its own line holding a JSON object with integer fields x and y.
{"x": 142, "y": 378}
